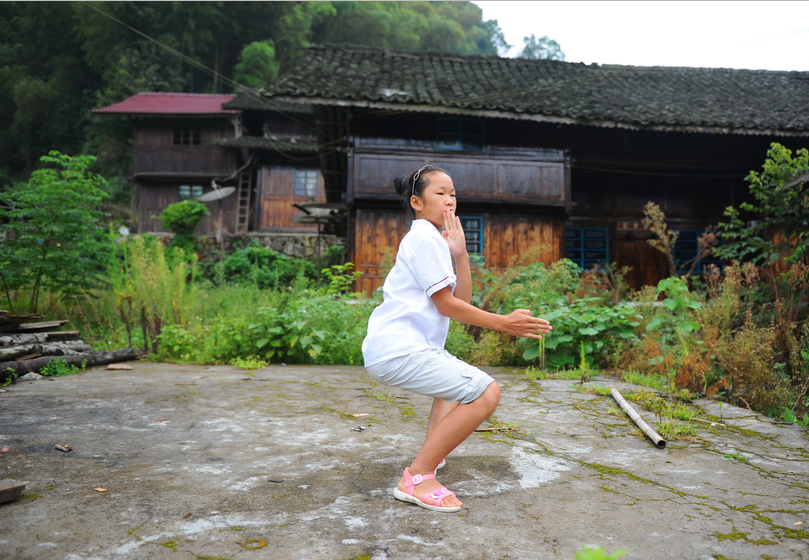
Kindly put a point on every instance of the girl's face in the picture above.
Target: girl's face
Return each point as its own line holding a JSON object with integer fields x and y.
{"x": 438, "y": 196}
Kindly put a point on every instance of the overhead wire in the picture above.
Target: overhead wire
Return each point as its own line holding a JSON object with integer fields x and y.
{"x": 239, "y": 88}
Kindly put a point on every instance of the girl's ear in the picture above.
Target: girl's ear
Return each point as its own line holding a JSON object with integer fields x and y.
{"x": 415, "y": 202}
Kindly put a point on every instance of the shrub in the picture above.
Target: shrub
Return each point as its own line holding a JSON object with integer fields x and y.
{"x": 54, "y": 220}
{"x": 182, "y": 218}
{"x": 265, "y": 268}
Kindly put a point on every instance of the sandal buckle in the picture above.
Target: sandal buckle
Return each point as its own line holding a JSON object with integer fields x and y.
{"x": 418, "y": 479}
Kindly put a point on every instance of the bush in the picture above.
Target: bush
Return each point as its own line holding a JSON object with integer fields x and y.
{"x": 54, "y": 220}
{"x": 265, "y": 268}
{"x": 182, "y": 218}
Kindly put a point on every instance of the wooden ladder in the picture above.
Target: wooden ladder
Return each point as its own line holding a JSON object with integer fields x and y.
{"x": 243, "y": 204}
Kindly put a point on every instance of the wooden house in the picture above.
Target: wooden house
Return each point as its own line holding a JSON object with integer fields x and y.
{"x": 546, "y": 155}
{"x": 186, "y": 145}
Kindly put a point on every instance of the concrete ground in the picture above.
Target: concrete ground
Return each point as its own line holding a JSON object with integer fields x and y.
{"x": 210, "y": 463}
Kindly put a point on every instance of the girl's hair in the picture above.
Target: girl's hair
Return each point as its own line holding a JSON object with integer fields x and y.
{"x": 413, "y": 184}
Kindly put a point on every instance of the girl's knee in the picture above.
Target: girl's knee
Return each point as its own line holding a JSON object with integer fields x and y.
{"x": 491, "y": 396}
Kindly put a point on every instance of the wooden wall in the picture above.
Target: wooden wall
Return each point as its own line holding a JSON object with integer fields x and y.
{"x": 153, "y": 149}
{"x": 525, "y": 177}
{"x": 505, "y": 236}
{"x": 276, "y": 197}
{"x": 154, "y": 196}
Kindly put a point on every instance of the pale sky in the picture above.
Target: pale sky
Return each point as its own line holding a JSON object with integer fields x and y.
{"x": 758, "y": 35}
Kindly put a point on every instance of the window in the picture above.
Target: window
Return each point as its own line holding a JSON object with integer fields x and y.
{"x": 588, "y": 247}
{"x": 190, "y": 192}
{"x": 656, "y": 141}
{"x": 687, "y": 247}
{"x": 460, "y": 135}
{"x": 186, "y": 137}
{"x": 473, "y": 230}
{"x": 305, "y": 182}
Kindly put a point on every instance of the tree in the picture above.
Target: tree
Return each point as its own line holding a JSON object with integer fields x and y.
{"x": 257, "y": 66}
{"x": 781, "y": 209}
{"x": 543, "y": 48}
{"x": 54, "y": 232}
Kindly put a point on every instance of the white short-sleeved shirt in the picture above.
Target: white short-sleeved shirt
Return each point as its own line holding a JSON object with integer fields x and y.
{"x": 408, "y": 321}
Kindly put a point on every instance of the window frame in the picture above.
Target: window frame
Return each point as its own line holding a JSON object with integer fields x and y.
{"x": 194, "y": 192}
{"x": 479, "y": 220}
{"x": 186, "y": 136}
{"x": 306, "y": 172}
{"x": 700, "y": 269}
{"x": 581, "y": 238}
{"x": 460, "y": 134}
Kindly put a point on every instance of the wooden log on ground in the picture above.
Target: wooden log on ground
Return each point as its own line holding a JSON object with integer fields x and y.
{"x": 11, "y": 322}
{"x": 68, "y": 348}
{"x": 7, "y": 340}
{"x": 92, "y": 358}
{"x": 37, "y": 327}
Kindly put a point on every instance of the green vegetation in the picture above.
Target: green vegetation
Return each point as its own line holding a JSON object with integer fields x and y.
{"x": 60, "y": 368}
{"x": 60, "y": 60}
{"x": 598, "y": 553}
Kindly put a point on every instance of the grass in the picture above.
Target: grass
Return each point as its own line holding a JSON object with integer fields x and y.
{"x": 656, "y": 382}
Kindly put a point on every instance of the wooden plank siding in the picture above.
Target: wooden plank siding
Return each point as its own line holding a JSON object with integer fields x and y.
{"x": 482, "y": 179}
{"x": 155, "y": 196}
{"x": 276, "y": 195}
{"x": 154, "y": 152}
{"x": 505, "y": 237}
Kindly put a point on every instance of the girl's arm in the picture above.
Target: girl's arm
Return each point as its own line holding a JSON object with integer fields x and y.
{"x": 453, "y": 233}
{"x": 517, "y": 323}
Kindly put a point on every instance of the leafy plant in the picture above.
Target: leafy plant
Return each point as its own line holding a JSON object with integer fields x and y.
{"x": 52, "y": 231}
{"x": 250, "y": 362}
{"x": 60, "y": 368}
{"x": 781, "y": 207}
{"x": 182, "y": 218}
{"x": 340, "y": 277}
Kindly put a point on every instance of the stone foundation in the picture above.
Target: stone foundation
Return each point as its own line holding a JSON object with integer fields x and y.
{"x": 298, "y": 245}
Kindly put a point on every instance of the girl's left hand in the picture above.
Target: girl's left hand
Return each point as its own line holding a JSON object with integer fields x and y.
{"x": 453, "y": 233}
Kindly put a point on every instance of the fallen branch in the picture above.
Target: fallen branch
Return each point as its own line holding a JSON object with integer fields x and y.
{"x": 644, "y": 427}
{"x": 499, "y": 429}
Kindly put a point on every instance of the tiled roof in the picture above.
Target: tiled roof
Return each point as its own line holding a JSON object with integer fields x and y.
{"x": 270, "y": 144}
{"x": 247, "y": 101}
{"x": 171, "y": 104}
{"x": 708, "y": 99}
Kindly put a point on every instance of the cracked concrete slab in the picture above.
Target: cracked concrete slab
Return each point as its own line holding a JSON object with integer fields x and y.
{"x": 272, "y": 464}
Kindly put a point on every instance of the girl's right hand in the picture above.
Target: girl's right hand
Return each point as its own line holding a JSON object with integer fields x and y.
{"x": 521, "y": 323}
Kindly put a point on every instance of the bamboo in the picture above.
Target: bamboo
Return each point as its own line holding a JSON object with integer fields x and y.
{"x": 645, "y": 428}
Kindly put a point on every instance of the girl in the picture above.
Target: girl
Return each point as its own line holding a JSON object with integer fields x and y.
{"x": 404, "y": 347}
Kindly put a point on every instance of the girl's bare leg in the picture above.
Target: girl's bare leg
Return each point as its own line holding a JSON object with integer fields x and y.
{"x": 440, "y": 409}
{"x": 446, "y": 435}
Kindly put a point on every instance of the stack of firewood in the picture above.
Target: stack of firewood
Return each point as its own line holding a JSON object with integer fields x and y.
{"x": 27, "y": 346}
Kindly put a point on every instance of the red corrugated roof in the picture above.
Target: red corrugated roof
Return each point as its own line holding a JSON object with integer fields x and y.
{"x": 172, "y": 104}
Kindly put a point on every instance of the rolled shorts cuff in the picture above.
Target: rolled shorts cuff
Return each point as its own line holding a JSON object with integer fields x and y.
{"x": 433, "y": 373}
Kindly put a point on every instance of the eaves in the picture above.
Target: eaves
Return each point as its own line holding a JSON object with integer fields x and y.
{"x": 442, "y": 109}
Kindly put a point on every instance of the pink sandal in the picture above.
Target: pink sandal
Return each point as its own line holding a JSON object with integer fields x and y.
{"x": 441, "y": 465}
{"x": 429, "y": 500}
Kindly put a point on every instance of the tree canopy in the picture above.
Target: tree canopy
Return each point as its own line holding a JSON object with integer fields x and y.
{"x": 58, "y": 60}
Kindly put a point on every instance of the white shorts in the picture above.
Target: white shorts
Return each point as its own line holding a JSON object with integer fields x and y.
{"x": 433, "y": 373}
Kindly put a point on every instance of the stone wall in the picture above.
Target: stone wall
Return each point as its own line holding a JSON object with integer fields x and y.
{"x": 290, "y": 244}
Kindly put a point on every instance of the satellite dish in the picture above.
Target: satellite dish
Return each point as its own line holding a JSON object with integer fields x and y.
{"x": 217, "y": 194}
